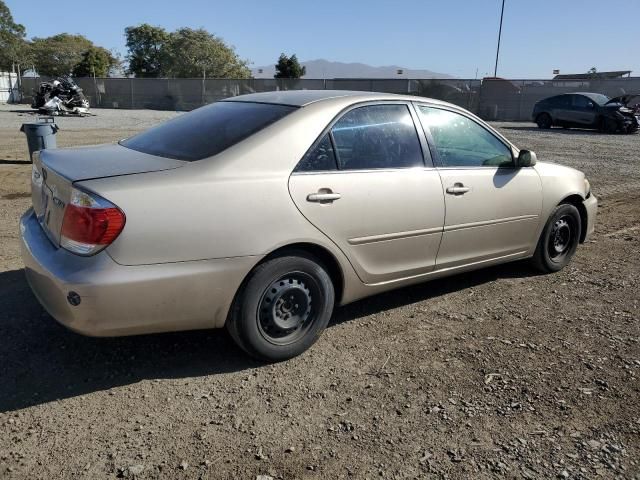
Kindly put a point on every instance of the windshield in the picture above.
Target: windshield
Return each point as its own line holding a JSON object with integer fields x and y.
{"x": 598, "y": 98}
{"x": 206, "y": 131}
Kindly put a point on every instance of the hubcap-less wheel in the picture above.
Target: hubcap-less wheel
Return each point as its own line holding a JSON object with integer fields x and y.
{"x": 286, "y": 309}
{"x": 283, "y": 306}
{"x": 560, "y": 238}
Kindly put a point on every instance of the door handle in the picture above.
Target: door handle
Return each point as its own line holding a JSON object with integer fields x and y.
{"x": 324, "y": 195}
{"x": 458, "y": 189}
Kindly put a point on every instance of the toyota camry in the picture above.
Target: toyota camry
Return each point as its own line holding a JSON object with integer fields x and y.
{"x": 263, "y": 212}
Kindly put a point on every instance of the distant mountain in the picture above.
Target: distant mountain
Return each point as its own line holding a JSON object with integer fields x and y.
{"x": 325, "y": 69}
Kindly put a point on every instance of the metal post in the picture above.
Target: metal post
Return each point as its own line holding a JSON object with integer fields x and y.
{"x": 19, "y": 81}
{"x": 204, "y": 76}
{"x": 495, "y": 70}
{"x": 131, "y": 92}
{"x": 95, "y": 88}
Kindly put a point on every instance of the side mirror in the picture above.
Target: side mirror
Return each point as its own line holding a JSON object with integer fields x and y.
{"x": 527, "y": 158}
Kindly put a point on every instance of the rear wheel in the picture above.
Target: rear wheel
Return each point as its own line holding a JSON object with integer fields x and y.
{"x": 283, "y": 307}
{"x": 544, "y": 121}
{"x": 559, "y": 239}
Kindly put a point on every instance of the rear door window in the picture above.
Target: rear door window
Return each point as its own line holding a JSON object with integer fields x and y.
{"x": 207, "y": 131}
{"x": 377, "y": 136}
{"x": 319, "y": 158}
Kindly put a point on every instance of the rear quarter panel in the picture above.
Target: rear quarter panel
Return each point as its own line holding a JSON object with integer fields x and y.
{"x": 172, "y": 221}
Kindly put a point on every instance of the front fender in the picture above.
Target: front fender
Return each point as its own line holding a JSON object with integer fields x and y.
{"x": 559, "y": 183}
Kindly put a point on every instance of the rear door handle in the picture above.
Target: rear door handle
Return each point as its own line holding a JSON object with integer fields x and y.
{"x": 324, "y": 195}
{"x": 458, "y": 189}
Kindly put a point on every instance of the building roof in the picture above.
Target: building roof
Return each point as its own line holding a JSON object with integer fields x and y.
{"x": 588, "y": 76}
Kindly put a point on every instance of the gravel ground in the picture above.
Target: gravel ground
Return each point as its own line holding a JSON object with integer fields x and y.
{"x": 491, "y": 374}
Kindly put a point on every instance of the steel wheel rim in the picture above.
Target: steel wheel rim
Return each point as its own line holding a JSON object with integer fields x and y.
{"x": 561, "y": 238}
{"x": 288, "y": 308}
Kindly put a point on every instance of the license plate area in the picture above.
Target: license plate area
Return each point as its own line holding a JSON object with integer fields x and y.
{"x": 44, "y": 216}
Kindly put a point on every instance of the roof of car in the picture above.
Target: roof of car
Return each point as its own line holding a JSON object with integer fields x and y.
{"x": 593, "y": 96}
{"x": 300, "y": 98}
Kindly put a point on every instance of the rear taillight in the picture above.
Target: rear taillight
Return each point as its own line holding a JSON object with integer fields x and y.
{"x": 90, "y": 223}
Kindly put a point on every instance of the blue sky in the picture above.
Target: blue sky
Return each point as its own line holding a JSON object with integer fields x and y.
{"x": 448, "y": 36}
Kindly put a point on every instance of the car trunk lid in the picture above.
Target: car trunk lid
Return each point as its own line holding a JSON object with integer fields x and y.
{"x": 54, "y": 172}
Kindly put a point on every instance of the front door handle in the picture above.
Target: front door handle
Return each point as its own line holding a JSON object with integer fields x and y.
{"x": 324, "y": 195}
{"x": 458, "y": 189}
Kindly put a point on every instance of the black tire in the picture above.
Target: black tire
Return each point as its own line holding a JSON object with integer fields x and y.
{"x": 633, "y": 128}
{"x": 283, "y": 307}
{"x": 559, "y": 239}
{"x": 544, "y": 121}
{"x": 609, "y": 125}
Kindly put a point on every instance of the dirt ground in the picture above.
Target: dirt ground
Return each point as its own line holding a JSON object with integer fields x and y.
{"x": 501, "y": 373}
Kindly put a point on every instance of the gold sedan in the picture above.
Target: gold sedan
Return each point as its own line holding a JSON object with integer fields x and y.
{"x": 264, "y": 211}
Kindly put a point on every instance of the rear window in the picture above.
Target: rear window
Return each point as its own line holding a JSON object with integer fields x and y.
{"x": 207, "y": 131}
{"x": 561, "y": 101}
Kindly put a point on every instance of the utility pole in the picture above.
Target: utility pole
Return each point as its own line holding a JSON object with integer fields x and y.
{"x": 202, "y": 89}
{"x": 495, "y": 70}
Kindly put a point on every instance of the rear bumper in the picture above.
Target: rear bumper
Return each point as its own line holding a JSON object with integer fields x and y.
{"x": 127, "y": 300}
{"x": 591, "y": 206}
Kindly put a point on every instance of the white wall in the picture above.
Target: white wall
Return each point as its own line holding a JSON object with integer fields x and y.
{"x": 9, "y": 87}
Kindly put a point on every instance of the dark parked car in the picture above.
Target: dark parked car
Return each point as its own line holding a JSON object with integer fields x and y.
{"x": 585, "y": 110}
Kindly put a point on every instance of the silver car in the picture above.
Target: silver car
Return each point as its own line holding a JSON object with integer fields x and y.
{"x": 262, "y": 212}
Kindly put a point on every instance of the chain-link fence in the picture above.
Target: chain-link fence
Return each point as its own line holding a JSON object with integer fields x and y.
{"x": 491, "y": 99}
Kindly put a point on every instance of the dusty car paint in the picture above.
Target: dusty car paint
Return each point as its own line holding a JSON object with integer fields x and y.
{"x": 195, "y": 230}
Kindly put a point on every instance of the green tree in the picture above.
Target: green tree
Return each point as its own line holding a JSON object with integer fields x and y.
{"x": 289, "y": 67}
{"x": 14, "y": 49}
{"x": 194, "y": 53}
{"x": 145, "y": 44}
{"x": 59, "y": 54}
{"x": 96, "y": 61}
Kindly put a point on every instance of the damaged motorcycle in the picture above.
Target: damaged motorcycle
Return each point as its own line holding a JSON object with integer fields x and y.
{"x": 61, "y": 96}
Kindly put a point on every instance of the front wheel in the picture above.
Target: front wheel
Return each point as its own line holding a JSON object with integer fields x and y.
{"x": 283, "y": 307}
{"x": 609, "y": 125}
{"x": 559, "y": 239}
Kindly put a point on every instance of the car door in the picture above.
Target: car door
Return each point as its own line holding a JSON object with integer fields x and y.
{"x": 365, "y": 185}
{"x": 492, "y": 208}
{"x": 583, "y": 110}
{"x": 562, "y": 110}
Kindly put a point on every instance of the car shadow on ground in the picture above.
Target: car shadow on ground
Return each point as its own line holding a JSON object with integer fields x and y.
{"x": 41, "y": 361}
{"x": 14, "y": 162}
